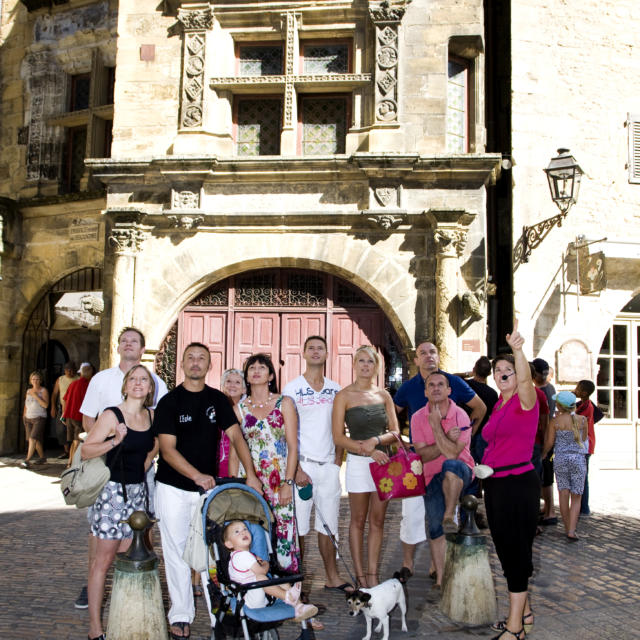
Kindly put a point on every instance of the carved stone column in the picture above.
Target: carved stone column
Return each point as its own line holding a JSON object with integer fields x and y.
{"x": 288, "y": 140}
{"x": 450, "y": 230}
{"x": 386, "y": 18}
{"x": 196, "y": 20}
{"x": 125, "y": 240}
{"x": 421, "y": 267}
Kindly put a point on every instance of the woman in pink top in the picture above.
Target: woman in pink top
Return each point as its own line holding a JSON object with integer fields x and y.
{"x": 512, "y": 493}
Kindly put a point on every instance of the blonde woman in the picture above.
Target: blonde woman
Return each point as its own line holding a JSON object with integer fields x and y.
{"x": 566, "y": 434}
{"x": 124, "y": 433}
{"x": 34, "y": 416}
{"x": 368, "y": 412}
{"x": 233, "y": 386}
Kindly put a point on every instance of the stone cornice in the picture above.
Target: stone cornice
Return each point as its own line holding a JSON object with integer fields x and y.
{"x": 464, "y": 171}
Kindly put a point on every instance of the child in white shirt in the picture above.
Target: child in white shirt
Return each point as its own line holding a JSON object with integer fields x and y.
{"x": 245, "y": 567}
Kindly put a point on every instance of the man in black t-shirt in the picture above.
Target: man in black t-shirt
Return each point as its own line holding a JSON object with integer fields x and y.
{"x": 188, "y": 421}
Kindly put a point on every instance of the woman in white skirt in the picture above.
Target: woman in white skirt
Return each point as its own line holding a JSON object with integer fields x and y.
{"x": 369, "y": 414}
{"x": 125, "y": 434}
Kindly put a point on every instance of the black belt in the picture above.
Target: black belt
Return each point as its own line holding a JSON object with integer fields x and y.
{"x": 508, "y": 467}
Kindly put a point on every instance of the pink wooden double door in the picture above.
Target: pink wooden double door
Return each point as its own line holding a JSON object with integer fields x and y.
{"x": 233, "y": 336}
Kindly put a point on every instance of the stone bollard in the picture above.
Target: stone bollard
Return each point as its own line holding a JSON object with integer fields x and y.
{"x": 136, "y": 611}
{"x": 468, "y": 594}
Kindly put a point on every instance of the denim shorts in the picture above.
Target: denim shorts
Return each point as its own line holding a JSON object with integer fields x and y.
{"x": 434, "y": 497}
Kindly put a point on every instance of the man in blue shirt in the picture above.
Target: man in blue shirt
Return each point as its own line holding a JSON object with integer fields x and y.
{"x": 411, "y": 396}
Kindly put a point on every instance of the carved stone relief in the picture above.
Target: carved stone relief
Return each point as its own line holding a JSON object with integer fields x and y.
{"x": 289, "y": 90}
{"x": 186, "y": 221}
{"x": 185, "y": 199}
{"x": 127, "y": 240}
{"x": 450, "y": 242}
{"x": 46, "y": 85}
{"x": 386, "y": 19}
{"x": 195, "y": 23}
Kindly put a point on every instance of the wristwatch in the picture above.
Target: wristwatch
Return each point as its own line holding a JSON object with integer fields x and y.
{"x": 288, "y": 481}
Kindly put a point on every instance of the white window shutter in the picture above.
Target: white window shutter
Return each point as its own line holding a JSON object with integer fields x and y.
{"x": 633, "y": 124}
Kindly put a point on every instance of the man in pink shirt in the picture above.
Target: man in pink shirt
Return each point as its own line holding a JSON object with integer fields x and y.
{"x": 441, "y": 436}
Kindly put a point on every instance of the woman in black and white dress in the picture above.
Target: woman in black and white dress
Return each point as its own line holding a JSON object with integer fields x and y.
{"x": 124, "y": 433}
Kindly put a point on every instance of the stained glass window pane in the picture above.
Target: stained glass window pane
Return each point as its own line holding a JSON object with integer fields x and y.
{"x": 324, "y": 125}
{"x": 260, "y": 60}
{"x": 259, "y": 127}
{"x": 457, "y": 108}
{"x": 326, "y": 58}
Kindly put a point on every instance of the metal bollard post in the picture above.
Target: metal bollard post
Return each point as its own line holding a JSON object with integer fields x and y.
{"x": 136, "y": 611}
{"x": 468, "y": 594}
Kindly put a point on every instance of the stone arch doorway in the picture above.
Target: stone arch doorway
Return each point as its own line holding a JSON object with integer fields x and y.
{"x": 65, "y": 324}
{"x": 618, "y": 391}
{"x": 273, "y": 311}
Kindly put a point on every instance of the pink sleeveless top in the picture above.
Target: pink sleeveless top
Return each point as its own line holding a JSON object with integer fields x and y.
{"x": 510, "y": 434}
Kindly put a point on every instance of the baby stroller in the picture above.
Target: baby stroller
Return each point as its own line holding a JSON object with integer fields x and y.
{"x": 236, "y": 501}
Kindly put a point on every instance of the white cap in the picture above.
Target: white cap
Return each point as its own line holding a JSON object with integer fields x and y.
{"x": 84, "y": 364}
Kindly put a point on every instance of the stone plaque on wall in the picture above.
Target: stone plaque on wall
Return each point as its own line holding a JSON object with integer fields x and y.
{"x": 573, "y": 362}
{"x": 81, "y": 231}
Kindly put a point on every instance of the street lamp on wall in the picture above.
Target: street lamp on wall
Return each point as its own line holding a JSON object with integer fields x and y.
{"x": 564, "y": 176}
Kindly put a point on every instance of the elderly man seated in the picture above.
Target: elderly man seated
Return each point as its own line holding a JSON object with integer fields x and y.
{"x": 441, "y": 435}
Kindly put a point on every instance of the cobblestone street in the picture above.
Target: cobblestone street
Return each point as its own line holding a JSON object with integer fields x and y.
{"x": 584, "y": 591}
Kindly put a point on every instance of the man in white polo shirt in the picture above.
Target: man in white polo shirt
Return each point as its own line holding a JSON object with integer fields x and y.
{"x": 105, "y": 390}
{"x": 318, "y": 459}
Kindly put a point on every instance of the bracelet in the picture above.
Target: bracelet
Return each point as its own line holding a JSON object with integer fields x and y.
{"x": 113, "y": 443}
{"x": 379, "y": 440}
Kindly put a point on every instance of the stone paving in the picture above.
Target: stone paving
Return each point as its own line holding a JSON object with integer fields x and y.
{"x": 586, "y": 590}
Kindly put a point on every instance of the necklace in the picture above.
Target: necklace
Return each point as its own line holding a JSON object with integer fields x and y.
{"x": 260, "y": 405}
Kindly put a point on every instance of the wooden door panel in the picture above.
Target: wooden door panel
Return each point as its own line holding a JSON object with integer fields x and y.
{"x": 256, "y": 332}
{"x": 350, "y": 331}
{"x": 296, "y": 328}
{"x": 209, "y": 328}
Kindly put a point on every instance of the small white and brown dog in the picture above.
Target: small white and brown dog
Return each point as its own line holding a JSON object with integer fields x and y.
{"x": 378, "y": 602}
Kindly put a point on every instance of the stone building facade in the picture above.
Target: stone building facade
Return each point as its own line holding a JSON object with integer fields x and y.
{"x": 243, "y": 174}
{"x": 582, "y": 93}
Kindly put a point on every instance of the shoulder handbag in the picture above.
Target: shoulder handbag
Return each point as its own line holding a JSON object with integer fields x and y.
{"x": 83, "y": 481}
{"x": 401, "y": 477}
{"x": 195, "y": 550}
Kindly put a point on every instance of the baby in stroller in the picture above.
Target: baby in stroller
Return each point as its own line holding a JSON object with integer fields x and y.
{"x": 238, "y": 521}
{"x": 245, "y": 567}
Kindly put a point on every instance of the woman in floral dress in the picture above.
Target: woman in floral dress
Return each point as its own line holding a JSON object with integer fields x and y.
{"x": 270, "y": 427}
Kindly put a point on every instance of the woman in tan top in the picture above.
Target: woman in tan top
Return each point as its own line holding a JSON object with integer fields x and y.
{"x": 369, "y": 414}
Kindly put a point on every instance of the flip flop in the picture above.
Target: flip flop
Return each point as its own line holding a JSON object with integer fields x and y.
{"x": 185, "y": 626}
{"x": 403, "y": 575}
{"x": 345, "y": 587}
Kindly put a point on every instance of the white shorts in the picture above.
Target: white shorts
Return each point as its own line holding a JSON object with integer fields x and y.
{"x": 326, "y": 496}
{"x": 358, "y": 477}
{"x": 412, "y": 527}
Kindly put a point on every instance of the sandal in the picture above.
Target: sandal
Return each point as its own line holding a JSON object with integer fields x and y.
{"x": 315, "y": 624}
{"x": 528, "y": 625}
{"x": 185, "y": 626}
{"x": 361, "y": 583}
{"x": 197, "y": 591}
{"x": 518, "y": 635}
{"x": 501, "y": 625}
{"x": 375, "y": 575}
{"x": 100, "y": 637}
{"x": 403, "y": 575}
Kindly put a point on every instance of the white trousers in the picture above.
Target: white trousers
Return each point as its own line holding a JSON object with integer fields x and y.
{"x": 174, "y": 510}
{"x": 412, "y": 526}
{"x": 326, "y": 496}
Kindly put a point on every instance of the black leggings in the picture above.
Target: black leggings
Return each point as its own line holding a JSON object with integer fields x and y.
{"x": 512, "y": 504}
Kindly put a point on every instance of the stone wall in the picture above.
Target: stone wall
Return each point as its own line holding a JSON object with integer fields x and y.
{"x": 575, "y": 77}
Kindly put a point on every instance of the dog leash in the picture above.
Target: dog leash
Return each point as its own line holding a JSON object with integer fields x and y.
{"x": 354, "y": 582}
